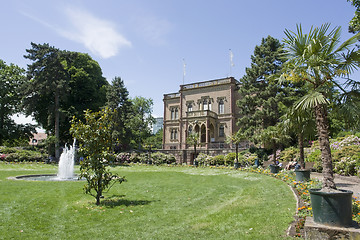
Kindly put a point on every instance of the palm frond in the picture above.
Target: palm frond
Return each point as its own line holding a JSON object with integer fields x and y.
{"x": 311, "y": 100}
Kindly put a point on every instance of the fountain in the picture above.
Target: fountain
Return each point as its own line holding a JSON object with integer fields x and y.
{"x": 66, "y": 163}
{"x": 65, "y": 170}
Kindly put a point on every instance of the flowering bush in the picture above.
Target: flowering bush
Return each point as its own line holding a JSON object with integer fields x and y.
{"x": 204, "y": 159}
{"x": 346, "y": 166}
{"x": 347, "y": 141}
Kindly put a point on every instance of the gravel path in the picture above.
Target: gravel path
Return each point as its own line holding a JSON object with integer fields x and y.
{"x": 342, "y": 182}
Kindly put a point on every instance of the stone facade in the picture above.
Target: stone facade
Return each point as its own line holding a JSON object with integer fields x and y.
{"x": 207, "y": 108}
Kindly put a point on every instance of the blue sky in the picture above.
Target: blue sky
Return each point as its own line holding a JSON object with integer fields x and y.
{"x": 145, "y": 41}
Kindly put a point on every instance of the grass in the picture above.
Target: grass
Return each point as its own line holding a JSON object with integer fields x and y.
{"x": 155, "y": 203}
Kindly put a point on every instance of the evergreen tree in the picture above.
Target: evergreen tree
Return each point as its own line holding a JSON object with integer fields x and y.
{"x": 262, "y": 100}
{"x": 118, "y": 99}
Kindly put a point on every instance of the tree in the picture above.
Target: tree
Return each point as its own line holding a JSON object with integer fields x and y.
{"x": 95, "y": 145}
{"x": 354, "y": 24}
{"x": 193, "y": 139}
{"x": 318, "y": 58}
{"x": 12, "y": 78}
{"x": 118, "y": 99}
{"x": 236, "y": 139}
{"x": 301, "y": 123}
{"x": 262, "y": 99}
{"x": 140, "y": 120}
{"x": 61, "y": 84}
{"x": 272, "y": 137}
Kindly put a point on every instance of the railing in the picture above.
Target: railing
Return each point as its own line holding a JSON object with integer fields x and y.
{"x": 201, "y": 113}
{"x": 171, "y": 95}
{"x": 207, "y": 83}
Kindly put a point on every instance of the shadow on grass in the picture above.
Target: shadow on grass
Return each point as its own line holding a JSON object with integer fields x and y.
{"x": 118, "y": 200}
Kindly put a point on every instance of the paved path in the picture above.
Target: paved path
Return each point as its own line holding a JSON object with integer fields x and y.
{"x": 342, "y": 182}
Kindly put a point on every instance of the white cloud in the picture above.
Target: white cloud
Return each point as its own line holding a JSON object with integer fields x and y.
{"x": 99, "y": 36}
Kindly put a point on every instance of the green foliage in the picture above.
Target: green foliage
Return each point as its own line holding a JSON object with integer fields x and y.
{"x": 288, "y": 154}
{"x": 140, "y": 120}
{"x": 12, "y": 79}
{"x": 95, "y": 145}
{"x": 154, "y": 141}
{"x": 230, "y": 158}
{"x": 61, "y": 84}
{"x": 12, "y": 154}
{"x": 118, "y": 99}
{"x": 219, "y": 160}
{"x": 263, "y": 100}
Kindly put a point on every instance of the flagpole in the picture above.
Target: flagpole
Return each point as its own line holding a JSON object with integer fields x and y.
{"x": 184, "y": 70}
{"x": 231, "y": 61}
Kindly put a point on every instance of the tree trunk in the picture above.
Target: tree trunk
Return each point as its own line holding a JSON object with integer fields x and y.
{"x": 57, "y": 125}
{"x": 301, "y": 149}
{"x": 323, "y": 134}
{"x": 274, "y": 152}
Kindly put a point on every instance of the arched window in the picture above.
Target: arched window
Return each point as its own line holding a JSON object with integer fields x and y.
{"x": 221, "y": 107}
{"x": 190, "y": 129}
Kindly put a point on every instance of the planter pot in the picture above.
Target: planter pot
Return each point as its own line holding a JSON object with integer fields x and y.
{"x": 302, "y": 175}
{"x": 236, "y": 165}
{"x": 274, "y": 168}
{"x": 196, "y": 163}
{"x": 332, "y": 208}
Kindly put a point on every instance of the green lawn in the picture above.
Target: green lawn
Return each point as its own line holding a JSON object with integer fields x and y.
{"x": 155, "y": 203}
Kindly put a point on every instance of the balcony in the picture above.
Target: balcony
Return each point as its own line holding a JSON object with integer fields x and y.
{"x": 201, "y": 113}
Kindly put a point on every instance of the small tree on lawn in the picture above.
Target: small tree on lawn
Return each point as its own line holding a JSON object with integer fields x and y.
{"x": 193, "y": 139}
{"x": 95, "y": 142}
{"x": 236, "y": 139}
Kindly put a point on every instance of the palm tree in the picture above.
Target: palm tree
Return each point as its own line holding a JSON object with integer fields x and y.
{"x": 318, "y": 58}
{"x": 236, "y": 139}
{"x": 301, "y": 123}
{"x": 193, "y": 139}
{"x": 272, "y": 137}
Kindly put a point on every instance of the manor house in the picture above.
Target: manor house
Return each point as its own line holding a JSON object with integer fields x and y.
{"x": 207, "y": 108}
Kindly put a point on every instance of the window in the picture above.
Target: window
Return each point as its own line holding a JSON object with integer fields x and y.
{"x": 221, "y": 131}
{"x": 205, "y": 105}
{"x": 190, "y": 107}
{"x": 173, "y": 134}
{"x": 176, "y": 113}
{"x": 172, "y": 114}
{"x": 221, "y": 107}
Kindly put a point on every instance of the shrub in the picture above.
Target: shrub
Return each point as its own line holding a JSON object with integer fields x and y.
{"x": 230, "y": 158}
{"x": 288, "y": 154}
{"x": 21, "y": 155}
{"x": 162, "y": 158}
{"x": 346, "y": 166}
{"x": 219, "y": 160}
{"x": 204, "y": 159}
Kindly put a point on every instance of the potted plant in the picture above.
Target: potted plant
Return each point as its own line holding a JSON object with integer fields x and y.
{"x": 317, "y": 59}
{"x": 301, "y": 123}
